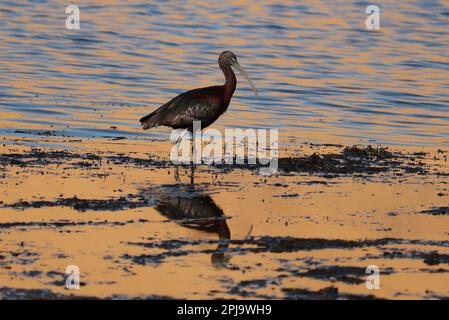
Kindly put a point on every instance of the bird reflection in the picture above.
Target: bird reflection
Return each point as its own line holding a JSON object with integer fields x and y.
{"x": 198, "y": 211}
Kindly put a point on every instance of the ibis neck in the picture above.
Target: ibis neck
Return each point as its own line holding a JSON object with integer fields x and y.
{"x": 223, "y": 230}
{"x": 231, "y": 81}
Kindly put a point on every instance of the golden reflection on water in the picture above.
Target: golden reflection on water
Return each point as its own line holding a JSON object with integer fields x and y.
{"x": 345, "y": 208}
{"x": 322, "y": 78}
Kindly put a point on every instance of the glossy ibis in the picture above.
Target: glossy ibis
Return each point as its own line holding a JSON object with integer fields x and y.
{"x": 204, "y": 104}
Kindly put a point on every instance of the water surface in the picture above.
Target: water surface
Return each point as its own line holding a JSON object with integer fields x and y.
{"x": 321, "y": 75}
{"x": 322, "y": 78}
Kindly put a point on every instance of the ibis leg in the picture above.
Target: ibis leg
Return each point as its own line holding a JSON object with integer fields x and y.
{"x": 178, "y": 181}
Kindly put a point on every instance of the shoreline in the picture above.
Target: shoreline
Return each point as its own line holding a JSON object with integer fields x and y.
{"x": 265, "y": 235}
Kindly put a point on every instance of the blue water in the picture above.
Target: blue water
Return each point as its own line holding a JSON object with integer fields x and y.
{"x": 322, "y": 76}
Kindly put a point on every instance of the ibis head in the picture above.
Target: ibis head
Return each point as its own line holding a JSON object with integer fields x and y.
{"x": 229, "y": 59}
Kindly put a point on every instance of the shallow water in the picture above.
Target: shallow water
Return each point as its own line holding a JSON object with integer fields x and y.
{"x": 321, "y": 75}
{"x": 98, "y": 191}
{"x": 135, "y": 233}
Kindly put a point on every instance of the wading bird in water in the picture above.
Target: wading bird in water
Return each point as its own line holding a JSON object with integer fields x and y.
{"x": 204, "y": 104}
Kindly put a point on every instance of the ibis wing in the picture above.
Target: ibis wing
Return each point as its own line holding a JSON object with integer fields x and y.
{"x": 194, "y": 105}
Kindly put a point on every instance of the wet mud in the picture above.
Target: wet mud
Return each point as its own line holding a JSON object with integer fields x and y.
{"x": 249, "y": 244}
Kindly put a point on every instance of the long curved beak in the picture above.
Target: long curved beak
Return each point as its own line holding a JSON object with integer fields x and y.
{"x": 245, "y": 74}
